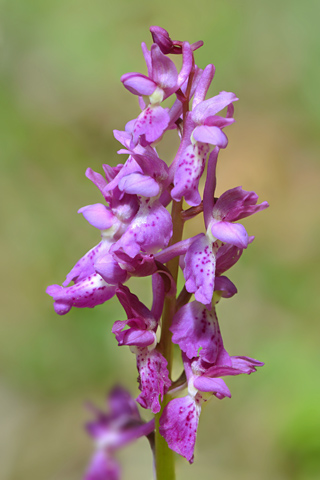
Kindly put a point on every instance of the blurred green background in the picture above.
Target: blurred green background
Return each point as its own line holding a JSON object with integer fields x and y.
{"x": 61, "y": 97}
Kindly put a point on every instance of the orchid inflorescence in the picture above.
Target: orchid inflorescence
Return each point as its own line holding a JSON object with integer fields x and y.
{"x": 139, "y": 238}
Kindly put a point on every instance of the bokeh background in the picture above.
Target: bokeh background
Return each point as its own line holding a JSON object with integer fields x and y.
{"x": 61, "y": 61}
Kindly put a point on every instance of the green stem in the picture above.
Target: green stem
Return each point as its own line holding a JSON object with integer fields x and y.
{"x": 164, "y": 457}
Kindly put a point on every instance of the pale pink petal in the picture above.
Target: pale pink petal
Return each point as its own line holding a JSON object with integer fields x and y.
{"x": 98, "y": 216}
{"x": 199, "y": 270}
{"x": 213, "y": 105}
{"x": 246, "y": 364}
{"x": 227, "y": 255}
{"x": 138, "y": 84}
{"x": 110, "y": 270}
{"x": 236, "y": 204}
{"x": 211, "y": 135}
{"x": 214, "y": 385}
{"x": 225, "y": 287}
{"x": 189, "y": 170}
{"x": 233, "y": 233}
{"x": 164, "y": 71}
{"x": 149, "y": 231}
{"x": 187, "y": 59}
{"x": 179, "y": 424}
{"x": 153, "y": 378}
{"x": 203, "y": 85}
{"x": 196, "y": 331}
{"x": 152, "y": 122}
{"x": 147, "y": 57}
{"x": 88, "y": 293}
{"x": 139, "y": 184}
{"x": 85, "y": 266}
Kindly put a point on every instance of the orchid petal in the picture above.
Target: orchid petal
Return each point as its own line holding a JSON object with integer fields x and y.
{"x": 98, "y": 216}
{"x": 147, "y": 57}
{"x": 85, "y": 266}
{"x": 199, "y": 270}
{"x": 214, "y": 385}
{"x": 179, "y": 424}
{"x": 133, "y": 336}
{"x": 152, "y": 122}
{"x": 139, "y": 184}
{"x": 233, "y": 233}
{"x": 211, "y": 135}
{"x": 236, "y": 203}
{"x": 225, "y": 286}
{"x": 227, "y": 255}
{"x": 246, "y": 364}
{"x": 149, "y": 231}
{"x": 203, "y": 85}
{"x": 138, "y": 84}
{"x": 196, "y": 331}
{"x": 188, "y": 173}
{"x": 96, "y": 178}
{"x": 164, "y": 71}
{"x": 88, "y": 293}
{"x": 187, "y": 59}
{"x": 153, "y": 378}
{"x": 110, "y": 270}
{"x": 213, "y": 105}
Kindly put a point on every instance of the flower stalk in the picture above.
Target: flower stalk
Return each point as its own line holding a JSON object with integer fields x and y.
{"x": 164, "y": 457}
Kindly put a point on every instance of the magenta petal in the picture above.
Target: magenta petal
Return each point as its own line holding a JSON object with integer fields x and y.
{"x": 221, "y": 122}
{"x": 88, "y": 293}
{"x": 225, "y": 287}
{"x": 131, "y": 303}
{"x": 110, "y": 270}
{"x": 246, "y": 364}
{"x": 150, "y": 230}
{"x": 98, "y": 216}
{"x": 236, "y": 204}
{"x": 214, "y": 385}
{"x": 152, "y": 122}
{"x": 233, "y": 233}
{"x": 135, "y": 337}
{"x": 138, "y": 84}
{"x": 139, "y": 266}
{"x": 85, "y": 266}
{"x": 164, "y": 72}
{"x": 196, "y": 331}
{"x": 147, "y": 58}
{"x": 211, "y": 135}
{"x": 122, "y": 137}
{"x": 189, "y": 169}
{"x": 199, "y": 270}
{"x": 96, "y": 178}
{"x": 203, "y": 85}
{"x": 131, "y": 166}
{"x": 139, "y": 184}
{"x": 153, "y": 378}
{"x": 178, "y": 425}
{"x": 187, "y": 59}
{"x": 227, "y": 255}
{"x": 213, "y": 105}
{"x": 102, "y": 467}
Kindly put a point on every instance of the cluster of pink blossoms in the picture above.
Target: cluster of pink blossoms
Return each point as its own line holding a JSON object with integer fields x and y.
{"x": 136, "y": 240}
